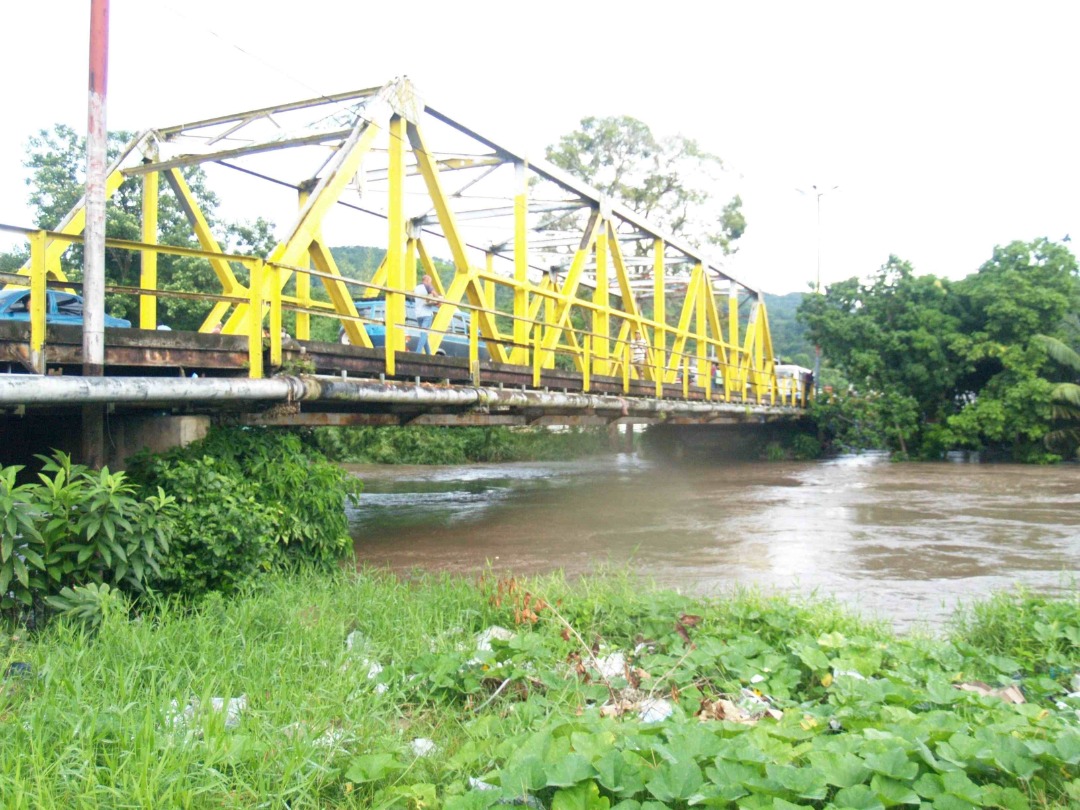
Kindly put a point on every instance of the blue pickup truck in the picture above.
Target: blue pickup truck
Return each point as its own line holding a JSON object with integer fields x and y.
{"x": 60, "y": 307}
{"x": 455, "y": 342}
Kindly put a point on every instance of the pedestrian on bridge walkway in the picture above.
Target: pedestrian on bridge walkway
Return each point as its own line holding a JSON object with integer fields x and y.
{"x": 425, "y": 311}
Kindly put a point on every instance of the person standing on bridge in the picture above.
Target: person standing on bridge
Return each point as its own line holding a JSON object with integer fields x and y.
{"x": 425, "y": 311}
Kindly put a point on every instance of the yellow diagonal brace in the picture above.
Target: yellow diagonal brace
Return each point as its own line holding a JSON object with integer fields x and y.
{"x": 573, "y": 278}
{"x": 765, "y": 357}
{"x": 326, "y": 194}
{"x": 629, "y": 301}
{"x": 601, "y": 320}
{"x": 689, "y": 306}
{"x": 746, "y": 363}
{"x": 201, "y": 228}
{"x": 303, "y": 281}
{"x": 472, "y": 286}
{"x": 339, "y": 294}
{"x": 439, "y": 201}
{"x": 379, "y": 279}
{"x": 54, "y": 248}
{"x": 717, "y": 332}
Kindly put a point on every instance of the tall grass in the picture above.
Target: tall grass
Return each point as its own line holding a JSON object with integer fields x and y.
{"x": 93, "y": 724}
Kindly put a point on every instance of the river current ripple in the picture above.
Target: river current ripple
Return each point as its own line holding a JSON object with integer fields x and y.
{"x": 904, "y": 542}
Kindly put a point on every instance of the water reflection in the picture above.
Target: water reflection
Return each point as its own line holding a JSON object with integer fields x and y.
{"x": 902, "y": 541}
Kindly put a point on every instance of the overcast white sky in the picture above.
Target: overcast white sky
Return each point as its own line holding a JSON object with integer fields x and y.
{"x": 948, "y": 127}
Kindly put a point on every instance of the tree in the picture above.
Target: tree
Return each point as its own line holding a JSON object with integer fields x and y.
{"x": 56, "y": 160}
{"x": 890, "y": 334}
{"x": 672, "y": 182}
{"x": 964, "y": 353}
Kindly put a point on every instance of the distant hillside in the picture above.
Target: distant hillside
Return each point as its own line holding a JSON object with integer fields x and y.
{"x": 788, "y": 335}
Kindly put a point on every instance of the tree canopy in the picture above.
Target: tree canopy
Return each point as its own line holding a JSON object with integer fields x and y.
{"x": 951, "y": 364}
{"x": 670, "y": 181}
{"x": 56, "y": 160}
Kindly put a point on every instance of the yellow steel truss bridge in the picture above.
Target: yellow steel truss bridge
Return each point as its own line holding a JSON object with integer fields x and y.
{"x": 548, "y": 289}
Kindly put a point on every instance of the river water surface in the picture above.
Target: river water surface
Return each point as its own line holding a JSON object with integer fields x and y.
{"x": 906, "y": 542}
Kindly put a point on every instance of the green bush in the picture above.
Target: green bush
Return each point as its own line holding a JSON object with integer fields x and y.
{"x": 224, "y": 534}
{"x": 250, "y": 499}
{"x": 76, "y": 527}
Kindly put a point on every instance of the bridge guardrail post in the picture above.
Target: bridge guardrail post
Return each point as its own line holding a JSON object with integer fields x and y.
{"x": 656, "y": 355}
{"x": 686, "y": 376}
{"x": 586, "y": 363}
{"x": 274, "y": 273}
{"x": 38, "y": 301}
{"x": 255, "y": 320}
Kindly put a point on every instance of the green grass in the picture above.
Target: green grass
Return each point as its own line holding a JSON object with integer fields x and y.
{"x": 90, "y": 726}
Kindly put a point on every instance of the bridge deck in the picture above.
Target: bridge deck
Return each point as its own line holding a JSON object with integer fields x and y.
{"x": 146, "y": 355}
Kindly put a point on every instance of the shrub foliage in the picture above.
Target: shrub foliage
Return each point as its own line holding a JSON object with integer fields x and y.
{"x": 206, "y": 517}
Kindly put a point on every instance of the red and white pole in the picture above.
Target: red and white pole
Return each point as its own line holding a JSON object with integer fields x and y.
{"x": 93, "y": 444}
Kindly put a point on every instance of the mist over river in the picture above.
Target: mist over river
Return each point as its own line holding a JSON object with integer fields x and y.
{"x": 907, "y": 542}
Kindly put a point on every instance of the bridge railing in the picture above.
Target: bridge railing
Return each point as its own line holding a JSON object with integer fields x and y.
{"x": 675, "y": 359}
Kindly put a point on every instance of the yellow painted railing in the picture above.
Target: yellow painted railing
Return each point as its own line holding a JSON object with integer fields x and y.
{"x": 693, "y": 361}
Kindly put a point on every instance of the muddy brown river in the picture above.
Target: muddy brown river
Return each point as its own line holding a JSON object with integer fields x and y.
{"x": 905, "y": 542}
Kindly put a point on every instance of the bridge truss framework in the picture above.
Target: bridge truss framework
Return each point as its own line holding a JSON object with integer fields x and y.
{"x": 546, "y": 266}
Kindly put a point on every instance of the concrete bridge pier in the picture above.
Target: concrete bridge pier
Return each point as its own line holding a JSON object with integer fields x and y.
{"x": 23, "y": 437}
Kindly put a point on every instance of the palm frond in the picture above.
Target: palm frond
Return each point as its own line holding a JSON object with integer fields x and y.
{"x": 1059, "y": 352}
{"x": 1067, "y": 397}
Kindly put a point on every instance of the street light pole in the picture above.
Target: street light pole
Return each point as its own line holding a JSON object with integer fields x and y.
{"x": 818, "y": 194}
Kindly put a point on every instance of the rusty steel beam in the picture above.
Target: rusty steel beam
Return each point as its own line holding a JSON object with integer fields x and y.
{"x": 335, "y": 393}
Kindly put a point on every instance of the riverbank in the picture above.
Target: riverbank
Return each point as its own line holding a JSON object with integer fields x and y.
{"x": 456, "y": 445}
{"x": 373, "y": 690}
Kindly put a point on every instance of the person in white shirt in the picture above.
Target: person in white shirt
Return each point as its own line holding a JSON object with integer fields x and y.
{"x": 425, "y": 311}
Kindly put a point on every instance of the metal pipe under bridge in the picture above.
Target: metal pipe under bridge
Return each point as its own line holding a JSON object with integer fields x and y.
{"x": 554, "y": 304}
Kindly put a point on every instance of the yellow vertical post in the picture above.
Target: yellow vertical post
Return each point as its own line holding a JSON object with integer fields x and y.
{"x": 601, "y": 320}
{"x": 303, "y": 281}
{"x": 38, "y": 301}
{"x": 586, "y": 363}
{"x": 702, "y": 346}
{"x": 148, "y": 269}
{"x": 275, "y": 314}
{"x": 686, "y": 376}
{"x": 255, "y": 347}
{"x": 731, "y": 370}
{"x": 627, "y": 359}
{"x": 521, "y": 262}
{"x": 660, "y": 316}
{"x": 395, "y": 271}
{"x": 549, "y": 317}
